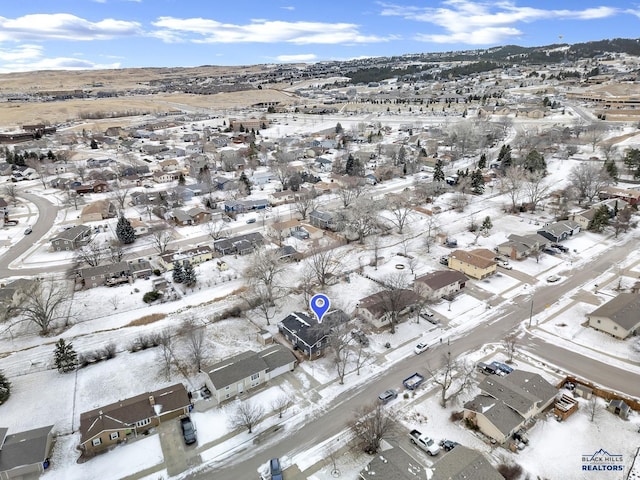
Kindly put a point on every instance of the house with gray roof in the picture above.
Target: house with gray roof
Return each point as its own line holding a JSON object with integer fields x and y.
{"x": 25, "y": 454}
{"x": 305, "y": 333}
{"x": 71, "y": 239}
{"x": 507, "y": 403}
{"x": 241, "y": 245}
{"x": 618, "y": 317}
{"x": 123, "y": 420}
{"x": 92, "y": 277}
{"x": 247, "y": 370}
{"x": 559, "y": 231}
{"x": 440, "y": 284}
{"x": 394, "y": 464}
{"x": 464, "y": 463}
{"x": 518, "y": 247}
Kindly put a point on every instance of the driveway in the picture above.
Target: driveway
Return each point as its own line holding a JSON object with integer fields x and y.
{"x": 178, "y": 456}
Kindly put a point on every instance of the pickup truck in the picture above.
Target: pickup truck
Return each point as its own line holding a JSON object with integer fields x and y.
{"x": 425, "y": 443}
{"x": 413, "y": 382}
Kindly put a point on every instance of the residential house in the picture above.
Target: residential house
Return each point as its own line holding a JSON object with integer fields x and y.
{"x": 506, "y": 404}
{"x": 118, "y": 422}
{"x": 464, "y": 463}
{"x": 559, "y": 231}
{"x": 382, "y": 307}
{"x": 99, "y": 162}
{"x": 25, "y": 454}
{"x": 476, "y": 263}
{"x": 198, "y": 215}
{"x": 58, "y": 168}
{"x": 306, "y": 334}
{"x": 194, "y": 256}
{"x": 394, "y": 464}
{"x": 240, "y": 245}
{"x": 169, "y": 165}
{"x": 324, "y": 220}
{"x": 92, "y": 277}
{"x": 139, "y": 227}
{"x": 280, "y": 198}
{"x": 98, "y": 210}
{"x": 518, "y": 247}
{"x": 618, "y": 317}
{"x": 165, "y": 177}
{"x": 180, "y": 217}
{"x": 71, "y": 239}
{"x": 282, "y": 230}
{"x": 225, "y": 184}
{"x": 245, "y": 371}
{"x": 584, "y": 217}
{"x": 629, "y": 195}
{"x": 440, "y": 284}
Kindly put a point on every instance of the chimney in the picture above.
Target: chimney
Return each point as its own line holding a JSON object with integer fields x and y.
{"x": 152, "y": 401}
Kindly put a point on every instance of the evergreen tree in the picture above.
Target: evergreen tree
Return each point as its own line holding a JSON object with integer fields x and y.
{"x": 353, "y": 167}
{"x": 339, "y": 128}
{"x": 477, "y": 182}
{"x": 189, "y": 274}
{"x": 245, "y": 183}
{"x": 65, "y": 357}
{"x": 600, "y": 219}
{"x": 505, "y": 157}
{"x": 534, "y": 162}
{"x": 181, "y": 179}
{"x": 438, "y": 172}
{"x": 178, "y": 272}
{"x": 487, "y": 225}
{"x": 124, "y": 231}
{"x": 5, "y": 388}
{"x": 482, "y": 163}
{"x": 611, "y": 168}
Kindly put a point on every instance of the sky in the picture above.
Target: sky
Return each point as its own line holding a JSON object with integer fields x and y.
{"x": 96, "y": 34}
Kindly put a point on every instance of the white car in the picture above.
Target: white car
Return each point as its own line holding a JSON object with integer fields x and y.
{"x": 421, "y": 347}
{"x": 553, "y": 278}
{"x": 506, "y": 265}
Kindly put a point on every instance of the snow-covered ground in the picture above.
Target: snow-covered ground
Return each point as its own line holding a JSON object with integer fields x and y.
{"x": 103, "y": 315}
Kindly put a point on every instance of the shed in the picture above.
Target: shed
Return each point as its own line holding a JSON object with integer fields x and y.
{"x": 620, "y": 408}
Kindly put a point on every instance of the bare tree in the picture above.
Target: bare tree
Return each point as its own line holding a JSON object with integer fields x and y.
{"x": 81, "y": 170}
{"x": 11, "y": 191}
{"x": 351, "y": 190}
{"x": 594, "y": 134}
{"x": 195, "y": 337}
{"x": 216, "y": 229}
{"x": 324, "y": 263}
{"x": 307, "y": 284}
{"x": 509, "y": 343}
{"x": 72, "y": 198}
{"x": 400, "y": 209}
{"x": 281, "y": 404}
{"x": 305, "y": 203}
{"x": 247, "y": 415}
{"x": 589, "y": 179}
{"x": 362, "y": 218}
{"x": 452, "y": 377}
{"x": 161, "y": 238}
{"x": 535, "y": 189}
{"x": 116, "y": 252}
{"x": 432, "y": 228}
{"x": 362, "y": 357}
{"x": 115, "y": 301}
{"x": 119, "y": 196}
{"x": 511, "y": 183}
{"x": 40, "y": 168}
{"x": 394, "y": 297}
{"x": 265, "y": 269}
{"x": 257, "y": 298}
{"x": 165, "y": 342}
{"x": 339, "y": 341}
{"x": 46, "y": 302}
{"x": 459, "y": 202}
{"x": 372, "y": 424}
{"x": 92, "y": 254}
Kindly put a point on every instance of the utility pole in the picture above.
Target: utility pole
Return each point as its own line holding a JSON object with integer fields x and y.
{"x": 531, "y": 311}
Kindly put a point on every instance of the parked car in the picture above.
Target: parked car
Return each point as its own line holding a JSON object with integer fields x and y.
{"x": 424, "y": 442}
{"x": 275, "y": 469}
{"x": 448, "y": 445}
{"x": 251, "y": 220}
{"x": 503, "y": 367}
{"x": 421, "y": 347}
{"x": 487, "y": 369}
{"x": 188, "y": 430}
{"x": 28, "y": 231}
{"x": 444, "y": 260}
{"x": 562, "y": 248}
{"x": 506, "y": 265}
{"x": 549, "y": 251}
{"x": 553, "y": 278}
{"x": 387, "y": 396}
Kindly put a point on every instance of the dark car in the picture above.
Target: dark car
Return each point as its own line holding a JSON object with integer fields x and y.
{"x": 448, "y": 445}
{"x": 188, "y": 430}
{"x": 562, "y": 248}
{"x": 275, "y": 469}
{"x": 360, "y": 337}
{"x": 387, "y": 396}
{"x": 28, "y": 231}
{"x": 550, "y": 251}
{"x": 503, "y": 367}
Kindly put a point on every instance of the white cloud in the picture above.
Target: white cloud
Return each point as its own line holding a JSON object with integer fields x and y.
{"x": 288, "y": 8}
{"x": 303, "y": 57}
{"x": 63, "y": 26}
{"x": 21, "y": 52}
{"x": 477, "y": 23}
{"x": 173, "y": 29}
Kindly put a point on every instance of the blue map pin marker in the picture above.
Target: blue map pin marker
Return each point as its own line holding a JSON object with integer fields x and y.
{"x": 320, "y": 305}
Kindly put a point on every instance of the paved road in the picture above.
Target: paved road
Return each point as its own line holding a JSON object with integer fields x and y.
{"x": 332, "y": 419}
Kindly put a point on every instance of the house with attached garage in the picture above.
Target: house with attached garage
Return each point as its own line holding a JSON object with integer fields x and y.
{"x": 25, "y": 454}
{"x": 194, "y": 256}
{"x": 240, "y": 245}
{"x": 464, "y": 463}
{"x": 476, "y": 263}
{"x": 91, "y": 277}
{"x": 97, "y": 211}
{"x": 247, "y": 370}
{"x": 71, "y": 239}
{"x": 306, "y": 334}
{"x": 560, "y": 231}
{"x": 394, "y": 464}
{"x": 618, "y": 317}
{"x": 440, "y": 284}
{"x": 121, "y": 421}
{"x": 379, "y": 308}
{"x": 519, "y": 247}
{"x": 508, "y": 404}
